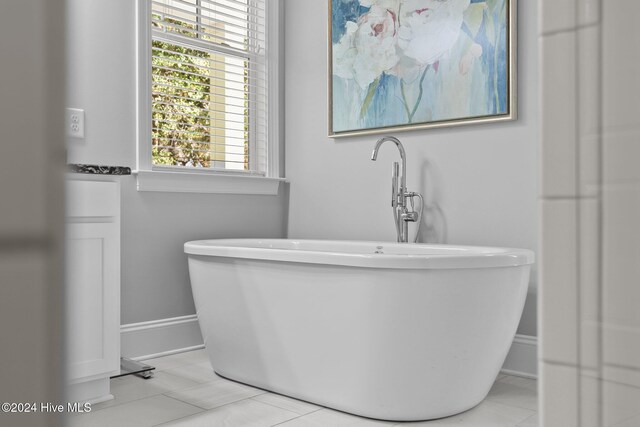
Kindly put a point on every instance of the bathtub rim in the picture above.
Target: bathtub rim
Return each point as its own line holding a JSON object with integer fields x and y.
{"x": 471, "y": 256}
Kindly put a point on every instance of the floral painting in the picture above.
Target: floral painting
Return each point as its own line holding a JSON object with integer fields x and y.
{"x": 399, "y": 64}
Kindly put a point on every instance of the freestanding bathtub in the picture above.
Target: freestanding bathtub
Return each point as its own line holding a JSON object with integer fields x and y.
{"x": 383, "y": 330}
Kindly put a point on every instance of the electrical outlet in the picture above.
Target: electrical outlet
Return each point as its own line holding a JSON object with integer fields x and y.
{"x": 74, "y": 122}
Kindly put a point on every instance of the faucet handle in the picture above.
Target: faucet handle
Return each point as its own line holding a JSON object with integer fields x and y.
{"x": 409, "y": 216}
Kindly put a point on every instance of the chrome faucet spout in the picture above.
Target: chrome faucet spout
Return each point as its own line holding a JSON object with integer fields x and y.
{"x": 403, "y": 158}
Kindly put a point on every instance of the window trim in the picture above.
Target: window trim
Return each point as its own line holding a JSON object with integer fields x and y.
{"x": 198, "y": 180}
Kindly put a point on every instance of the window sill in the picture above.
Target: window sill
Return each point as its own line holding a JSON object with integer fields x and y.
{"x": 206, "y": 183}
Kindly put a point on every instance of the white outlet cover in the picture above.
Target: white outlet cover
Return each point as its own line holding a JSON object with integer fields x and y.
{"x": 74, "y": 122}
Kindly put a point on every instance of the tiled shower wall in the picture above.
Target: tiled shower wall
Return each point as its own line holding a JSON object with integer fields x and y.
{"x": 589, "y": 312}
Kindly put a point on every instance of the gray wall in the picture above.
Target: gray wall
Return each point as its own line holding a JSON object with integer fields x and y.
{"x": 102, "y": 81}
{"x": 480, "y": 181}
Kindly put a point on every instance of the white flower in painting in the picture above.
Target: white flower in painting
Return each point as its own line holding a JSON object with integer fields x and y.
{"x": 368, "y": 47}
{"x": 375, "y": 41}
{"x": 344, "y": 53}
{"x": 429, "y": 28}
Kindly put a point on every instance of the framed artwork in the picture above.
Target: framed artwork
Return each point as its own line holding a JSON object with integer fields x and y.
{"x": 410, "y": 64}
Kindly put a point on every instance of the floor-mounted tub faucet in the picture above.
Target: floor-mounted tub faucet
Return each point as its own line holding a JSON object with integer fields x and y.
{"x": 399, "y": 194}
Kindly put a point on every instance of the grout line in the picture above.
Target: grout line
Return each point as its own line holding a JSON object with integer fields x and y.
{"x": 618, "y": 366}
{"x": 208, "y": 409}
{"x": 130, "y": 401}
{"x": 226, "y": 404}
{"x": 294, "y": 418}
{"x": 579, "y": 215}
{"x": 516, "y": 376}
{"x": 536, "y": 416}
{"x": 115, "y": 405}
{"x": 557, "y": 363}
{"x": 600, "y": 209}
{"x": 136, "y": 401}
{"x": 190, "y": 404}
{"x": 577, "y": 197}
{"x": 511, "y": 405}
{"x": 285, "y": 409}
{"x": 164, "y": 423}
{"x": 569, "y": 30}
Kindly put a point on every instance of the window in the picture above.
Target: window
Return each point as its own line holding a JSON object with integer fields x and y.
{"x": 209, "y": 68}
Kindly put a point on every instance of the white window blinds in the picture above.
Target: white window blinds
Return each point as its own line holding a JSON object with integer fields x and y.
{"x": 209, "y": 77}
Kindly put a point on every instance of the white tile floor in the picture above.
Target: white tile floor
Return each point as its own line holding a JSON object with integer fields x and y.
{"x": 185, "y": 392}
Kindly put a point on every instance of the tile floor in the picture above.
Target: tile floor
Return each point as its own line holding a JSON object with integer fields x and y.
{"x": 185, "y": 392}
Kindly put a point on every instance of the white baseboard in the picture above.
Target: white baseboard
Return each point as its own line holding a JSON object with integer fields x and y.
{"x": 522, "y": 359}
{"x": 161, "y": 337}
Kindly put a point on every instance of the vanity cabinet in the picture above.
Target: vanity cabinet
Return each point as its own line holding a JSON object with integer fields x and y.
{"x": 92, "y": 288}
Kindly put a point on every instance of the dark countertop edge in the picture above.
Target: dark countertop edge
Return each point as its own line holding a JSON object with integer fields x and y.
{"x": 98, "y": 169}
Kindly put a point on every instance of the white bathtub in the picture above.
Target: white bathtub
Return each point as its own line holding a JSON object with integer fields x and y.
{"x": 415, "y": 332}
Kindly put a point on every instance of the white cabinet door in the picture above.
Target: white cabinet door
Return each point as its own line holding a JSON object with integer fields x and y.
{"x": 93, "y": 299}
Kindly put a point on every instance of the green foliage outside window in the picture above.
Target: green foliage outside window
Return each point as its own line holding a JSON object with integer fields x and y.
{"x": 181, "y": 96}
{"x": 188, "y": 103}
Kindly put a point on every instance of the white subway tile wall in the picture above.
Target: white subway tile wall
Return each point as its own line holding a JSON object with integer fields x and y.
{"x": 590, "y": 273}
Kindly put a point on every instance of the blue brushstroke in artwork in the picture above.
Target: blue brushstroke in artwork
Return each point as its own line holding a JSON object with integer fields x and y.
{"x": 467, "y": 30}
{"x": 502, "y": 71}
{"x": 378, "y": 107}
{"x": 382, "y": 112}
{"x": 343, "y": 11}
{"x": 499, "y": 67}
{"x": 491, "y": 67}
{"x": 488, "y": 63}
